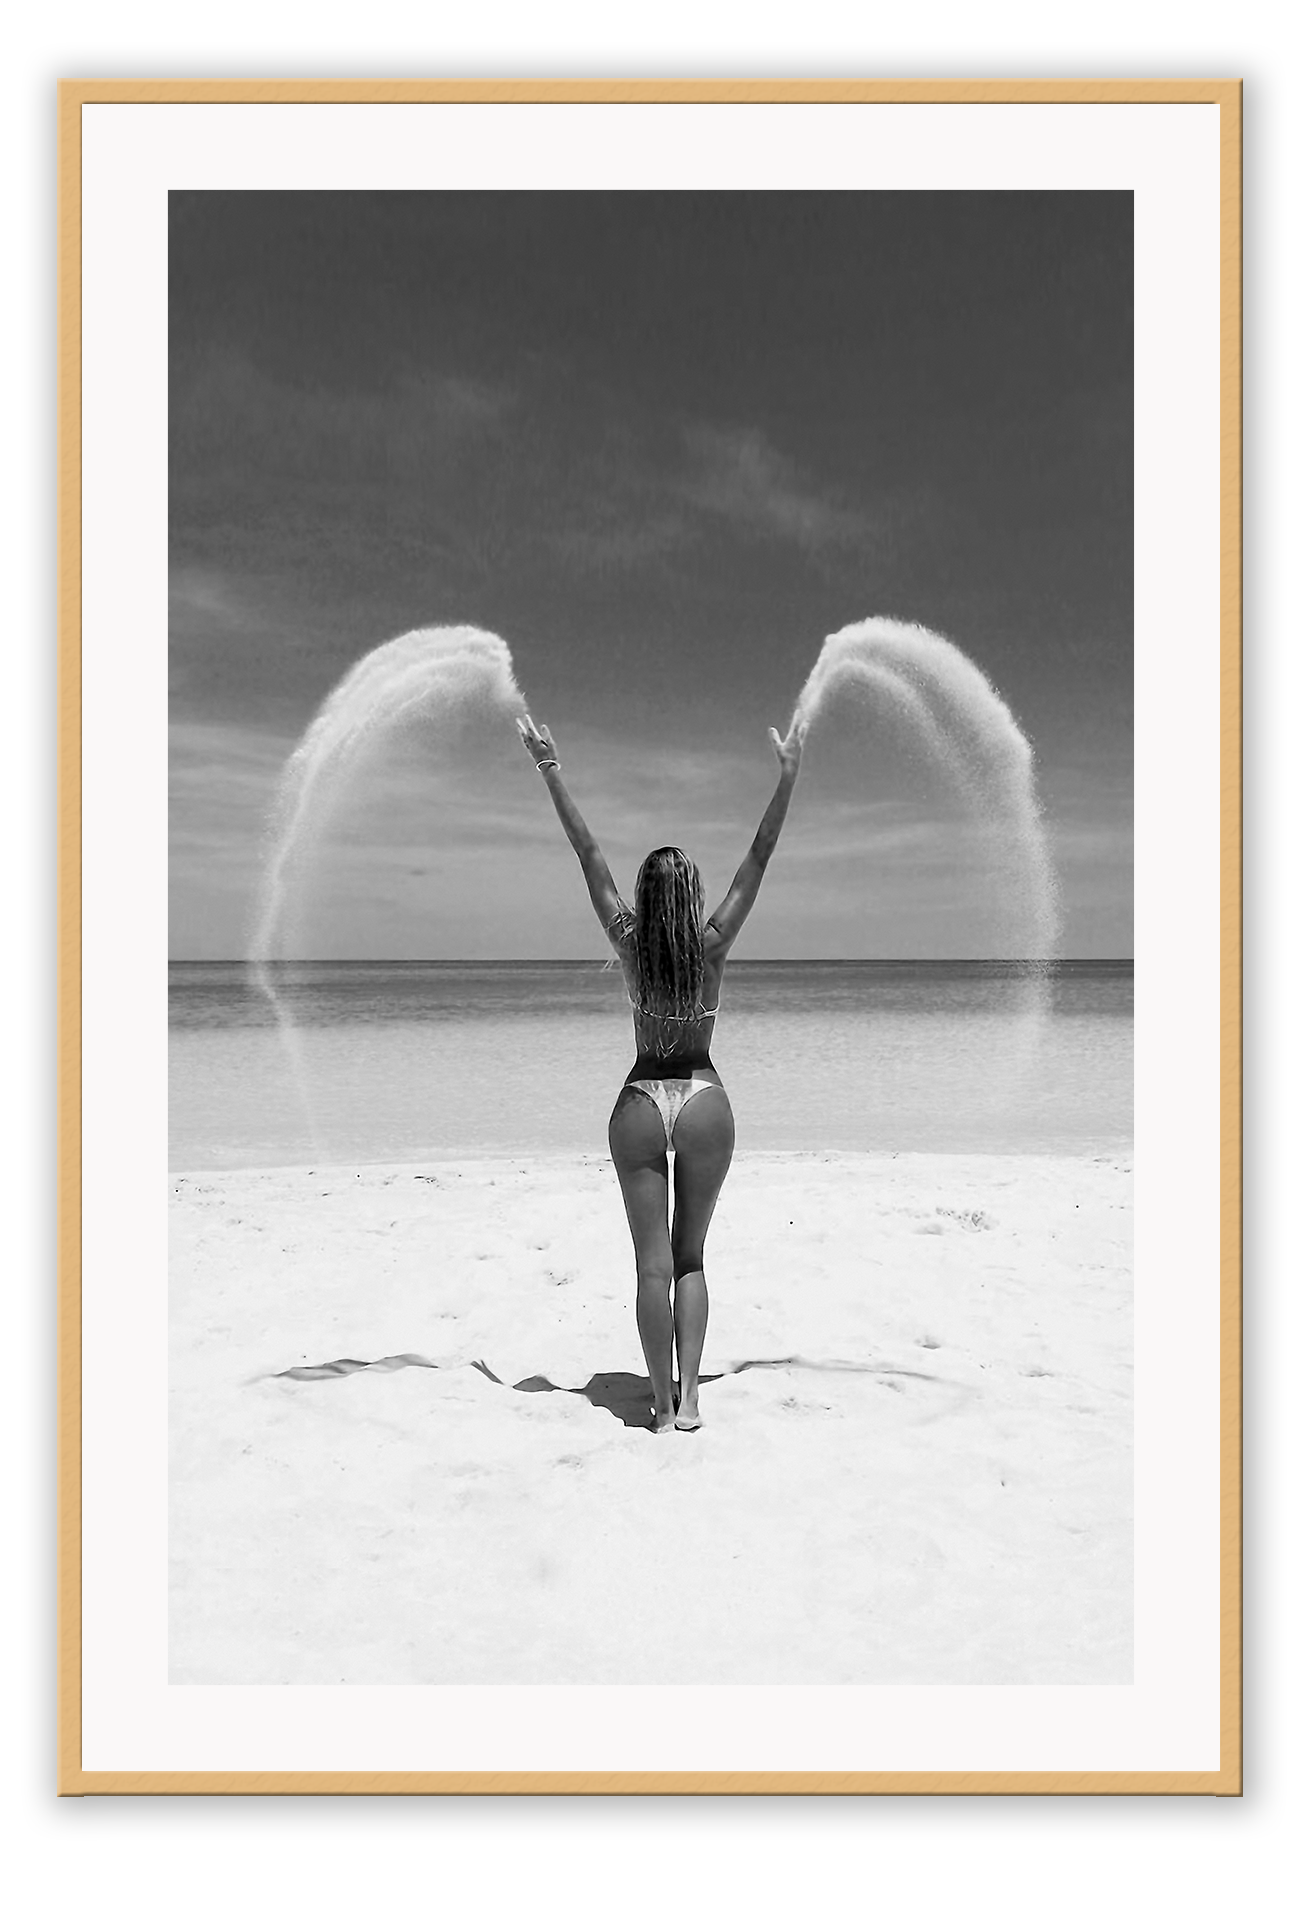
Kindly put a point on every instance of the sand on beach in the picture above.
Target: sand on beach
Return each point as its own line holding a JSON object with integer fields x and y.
{"x": 916, "y": 1464}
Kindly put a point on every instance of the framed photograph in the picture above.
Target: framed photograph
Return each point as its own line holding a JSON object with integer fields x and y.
{"x": 650, "y": 1000}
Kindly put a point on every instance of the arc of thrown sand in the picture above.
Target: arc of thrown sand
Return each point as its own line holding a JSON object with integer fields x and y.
{"x": 904, "y": 696}
{"x": 963, "y": 719}
{"x": 388, "y": 684}
{"x": 965, "y": 724}
{"x": 974, "y": 715}
{"x": 906, "y": 699}
{"x": 449, "y": 667}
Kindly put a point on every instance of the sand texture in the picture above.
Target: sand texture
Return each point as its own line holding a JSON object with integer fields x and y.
{"x": 915, "y": 1465}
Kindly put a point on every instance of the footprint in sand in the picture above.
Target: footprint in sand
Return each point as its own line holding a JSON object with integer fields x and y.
{"x": 968, "y": 1220}
{"x": 863, "y": 1391}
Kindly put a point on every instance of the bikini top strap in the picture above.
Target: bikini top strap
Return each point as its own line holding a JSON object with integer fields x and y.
{"x": 676, "y": 1019}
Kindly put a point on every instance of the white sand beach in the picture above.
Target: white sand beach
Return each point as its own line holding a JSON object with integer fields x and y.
{"x": 915, "y": 1464}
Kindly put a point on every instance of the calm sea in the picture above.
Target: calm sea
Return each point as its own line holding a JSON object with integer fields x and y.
{"x": 408, "y": 1060}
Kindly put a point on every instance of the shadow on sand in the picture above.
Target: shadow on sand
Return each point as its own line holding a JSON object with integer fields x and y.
{"x": 622, "y": 1392}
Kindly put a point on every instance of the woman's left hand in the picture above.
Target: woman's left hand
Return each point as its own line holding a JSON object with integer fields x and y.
{"x": 537, "y": 740}
{"x": 788, "y": 749}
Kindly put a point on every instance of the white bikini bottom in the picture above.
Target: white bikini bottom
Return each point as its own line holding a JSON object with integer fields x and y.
{"x": 670, "y": 1095}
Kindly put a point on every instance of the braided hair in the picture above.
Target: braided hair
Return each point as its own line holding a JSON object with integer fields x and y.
{"x": 669, "y": 934}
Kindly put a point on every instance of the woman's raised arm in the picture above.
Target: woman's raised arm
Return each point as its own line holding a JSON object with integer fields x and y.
{"x": 600, "y": 882}
{"x": 727, "y": 920}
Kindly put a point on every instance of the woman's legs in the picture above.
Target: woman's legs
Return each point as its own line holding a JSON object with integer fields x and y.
{"x": 636, "y": 1144}
{"x": 703, "y": 1137}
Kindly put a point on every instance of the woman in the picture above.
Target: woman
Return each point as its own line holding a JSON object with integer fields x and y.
{"x": 672, "y": 1100}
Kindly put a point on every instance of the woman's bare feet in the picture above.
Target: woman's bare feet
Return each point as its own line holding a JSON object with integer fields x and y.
{"x": 688, "y": 1412}
{"x": 662, "y": 1421}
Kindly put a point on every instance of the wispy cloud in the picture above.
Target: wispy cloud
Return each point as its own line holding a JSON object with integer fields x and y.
{"x": 208, "y": 604}
{"x": 739, "y": 475}
{"x": 224, "y": 402}
{"x": 472, "y": 483}
{"x": 656, "y": 502}
{"x": 1101, "y": 844}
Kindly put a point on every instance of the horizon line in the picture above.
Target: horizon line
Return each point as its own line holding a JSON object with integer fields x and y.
{"x": 889, "y": 959}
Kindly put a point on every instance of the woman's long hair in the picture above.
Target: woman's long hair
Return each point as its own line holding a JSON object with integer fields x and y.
{"x": 669, "y": 934}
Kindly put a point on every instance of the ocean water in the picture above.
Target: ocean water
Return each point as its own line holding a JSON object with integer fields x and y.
{"x": 409, "y": 1060}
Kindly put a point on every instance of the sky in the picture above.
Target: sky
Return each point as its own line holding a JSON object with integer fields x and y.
{"x": 662, "y": 444}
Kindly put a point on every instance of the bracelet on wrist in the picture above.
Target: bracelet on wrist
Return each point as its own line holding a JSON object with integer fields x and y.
{"x": 546, "y": 764}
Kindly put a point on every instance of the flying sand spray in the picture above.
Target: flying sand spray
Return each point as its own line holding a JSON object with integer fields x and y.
{"x": 439, "y": 676}
{"x": 942, "y": 699}
{"x": 972, "y": 735}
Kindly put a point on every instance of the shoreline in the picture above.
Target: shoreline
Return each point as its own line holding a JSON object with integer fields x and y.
{"x": 1103, "y": 1151}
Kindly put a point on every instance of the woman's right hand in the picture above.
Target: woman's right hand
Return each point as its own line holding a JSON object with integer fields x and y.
{"x": 789, "y": 752}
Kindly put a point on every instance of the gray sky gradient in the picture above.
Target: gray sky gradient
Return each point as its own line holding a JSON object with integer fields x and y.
{"x": 663, "y": 445}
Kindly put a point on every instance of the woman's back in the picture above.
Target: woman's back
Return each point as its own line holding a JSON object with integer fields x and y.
{"x": 683, "y": 1034}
